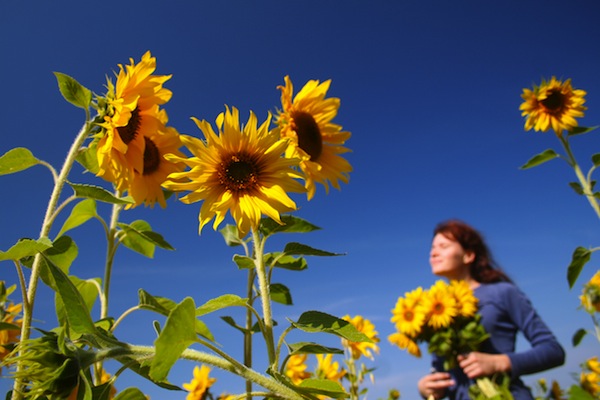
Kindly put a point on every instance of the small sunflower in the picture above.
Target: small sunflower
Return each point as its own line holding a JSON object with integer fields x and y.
{"x": 590, "y": 382}
{"x": 593, "y": 364}
{"x": 306, "y": 120}
{"x": 466, "y": 302}
{"x": 408, "y": 314}
{"x": 295, "y": 368}
{"x": 132, "y": 115}
{"x": 590, "y": 297}
{"x": 365, "y": 326}
{"x": 405, "y": 343}
{"x": 198, "y": 387}
{"x": 241, "y": 171}
{"x": 554, "y": 104}
{"x": 440, "y": 305}
{"x": 329, "y": 369}
{"x": 10, "y": 332}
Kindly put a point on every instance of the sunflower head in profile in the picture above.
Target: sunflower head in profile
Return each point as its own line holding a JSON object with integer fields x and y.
{"x": 466, "y": 302}
{"x": 240, "y": 170}
{"x": 132, "y": 114}
{"x": 314, "y": 139}
{"x": 405, "y": 342}
{"x": 554, "y": 104}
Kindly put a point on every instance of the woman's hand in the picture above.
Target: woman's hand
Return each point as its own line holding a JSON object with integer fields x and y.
{"x": 435, "y": 385}
{"x": 476, "y": 364}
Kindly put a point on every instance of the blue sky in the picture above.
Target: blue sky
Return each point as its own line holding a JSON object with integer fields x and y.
{"x": 430, "y": 91}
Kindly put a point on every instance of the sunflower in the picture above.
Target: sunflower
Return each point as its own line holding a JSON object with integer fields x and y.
{"x": 440, "y": 306}
{"x": 240, "y": 171}
{"x": 590, "y": 298}
{"x": 408, "y": 314}
{"x": 552, "y": 104}
{"x": 328, "y": 369}
{"x": 132, "y": 115}
{"x": 466, "y": 302}
{"x": 146, "y": 185}
{"x": 405, "y": 343}
{"x": 590, "y": 382}
{"x": 295, "y": 368}
{"x": 200, "y": 384}
{"x": 10, "y": 333}
{"x": 362, "y": 348}
{"x": 306, "y": 120}
{"x": 593, "y": 364}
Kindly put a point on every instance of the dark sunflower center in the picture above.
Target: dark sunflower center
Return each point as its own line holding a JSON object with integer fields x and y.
{"x": 129, "y": 131}
{"x": 309, "y": 134}
{"x": 238, "y": 173}
{"x": 438, "y": 308}
{"x": 151, "y": 157}
{"x": 554, "y": 102}
{"x": 409, "y": 315}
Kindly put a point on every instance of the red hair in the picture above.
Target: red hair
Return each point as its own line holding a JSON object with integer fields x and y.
{"x": 483, "y": 268}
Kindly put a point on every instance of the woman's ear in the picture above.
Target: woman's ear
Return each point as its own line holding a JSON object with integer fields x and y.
{"x": 469, "y": 257}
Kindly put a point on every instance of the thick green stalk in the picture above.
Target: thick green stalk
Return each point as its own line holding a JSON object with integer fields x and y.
{"x": 111, "y": 249}
{"x": 44, "y": 233}
{"x": 265, "y": 295}
{"x": 248, "y": 332}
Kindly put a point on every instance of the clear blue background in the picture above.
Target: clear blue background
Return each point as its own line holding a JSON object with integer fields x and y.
{"x": 430, "y": 91}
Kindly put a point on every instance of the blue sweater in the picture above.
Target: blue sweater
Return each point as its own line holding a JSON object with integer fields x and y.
{"x": 505, "y": 311}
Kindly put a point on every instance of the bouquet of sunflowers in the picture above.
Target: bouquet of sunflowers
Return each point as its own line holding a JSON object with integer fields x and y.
{"x": 445, "y": 317}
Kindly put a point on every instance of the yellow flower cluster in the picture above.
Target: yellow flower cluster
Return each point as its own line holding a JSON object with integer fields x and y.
{"x": 10, "y": 331}
{"x": 590, "y": 297}
{"x": 589, "y": 378}
{"x": 420, "y": 314}
{"x": 554, "y": 104}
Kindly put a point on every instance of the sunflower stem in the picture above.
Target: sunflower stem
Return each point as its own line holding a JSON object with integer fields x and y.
{"x": 111, "y": 249}
{"x": 265, "y": 295}
{"x": 585, "y": 183}
{"x": 28, "y": 306}
{"x": 248, "y": 331}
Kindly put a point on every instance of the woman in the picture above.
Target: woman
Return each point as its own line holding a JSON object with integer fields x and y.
{"x": 458, "y": 252}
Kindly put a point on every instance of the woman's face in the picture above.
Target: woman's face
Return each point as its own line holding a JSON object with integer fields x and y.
{"x": 448, "y": 258}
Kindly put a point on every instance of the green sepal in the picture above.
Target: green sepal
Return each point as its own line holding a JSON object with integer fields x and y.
{"x": 578, "y": 337}
{"x": 281, "y": 294}
{"x": 73, "y": 91}
{"x": 232, "y": 236}
{"x": 580, "y": 130}
{"x": 177, "y": 335}
{"x": 25, "y": 248}
{"x": 541, "y": 158}
{"x": 80, "y": 214}
{"x": 131, "y": 393}
{"x": 138, "y": 236}
{"x": 98, "y": 193}
{"x": 16, "y": 160}
{"x": 581, "y": 256}
{"x": 294, "y": 248}
{"x": 317, "y": 321}
{"x": 312, "y": 348}
{"x": 291, "y": 224}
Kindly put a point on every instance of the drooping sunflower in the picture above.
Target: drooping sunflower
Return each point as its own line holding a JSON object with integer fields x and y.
{"x": 329, "y": 369}
{"x": 306, "y": 120}
{"x": 132, "y": 115}
{"x": 200, "y": 384}
{"x": 440, "y": 306}
{"x": 405, "y": 343}
{"x": 554, "y": 104}
{"x": 364, "y": 326}
{"x": 408, "y": 314}
{"x": 146, "y": 185}
{"x": 466, "y": 302}
{"x": 295, "y": 368}
{"x": 241, "y": 170}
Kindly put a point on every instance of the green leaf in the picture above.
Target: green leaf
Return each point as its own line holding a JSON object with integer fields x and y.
{"x": 73, "y": 91}
{"x": 224, "y": 301}
{"x": 243, "y": 262}
{"x": 316, "y": 321}
{"x": 80, "y": 214}
{"x": 130, "y": 394}
{"x": 98, "y": 193}
{"x": 581, "y": 256}
{"x": 139, "y": 237}
{"x": 578, "y": 337}
{"x": 596, "y": 159}
{"x": 312, "y": 348}
{"x": 541, "y": 158}
{"x": 576, "y": 186}
{"x": 291, "y": 224}
{"x": 88, "y": 292}
{"x": 324, "y": 387}
{"x": 578, "y": 393}
{"x": 25, "y": 248}
{"x": 16, "y": 160}
{"x": 88, "y": 158}
{"x": 579, "y": 130}
{"x": 231, "y": 322}
{"x": 76, "y": 309}
{"x": 302, "y": 249}
{"x": 280, "y": 260}
{"x": 281, "y": 294}
{"x": 231, "y": 235}
{"x": 177, "y": 335}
